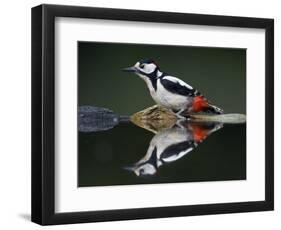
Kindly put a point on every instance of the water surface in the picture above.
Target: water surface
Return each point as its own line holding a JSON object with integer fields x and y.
{"x": 104, "y": 157}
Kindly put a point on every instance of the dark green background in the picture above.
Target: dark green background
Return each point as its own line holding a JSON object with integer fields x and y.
{"x": 219, "y": 73}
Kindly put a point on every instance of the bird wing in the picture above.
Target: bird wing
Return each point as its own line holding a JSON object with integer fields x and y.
{"x": 177, "y": 86}
{"x": 176, "y": 151}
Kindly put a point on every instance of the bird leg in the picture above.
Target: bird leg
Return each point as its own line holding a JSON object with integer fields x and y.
{"x": 179, "y": 123}
{"x": 178, "y": 114}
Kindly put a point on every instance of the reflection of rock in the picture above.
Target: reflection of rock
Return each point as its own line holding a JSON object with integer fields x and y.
{"x": 92, "y": 119}
{"x": 154, "y": 118}
{"x": 157, "y": 118}
{"x": 170, "y": 145}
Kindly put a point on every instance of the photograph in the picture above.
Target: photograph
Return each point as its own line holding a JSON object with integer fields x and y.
{"x": 140, "y": 114}
{"x": 150, "y": 114}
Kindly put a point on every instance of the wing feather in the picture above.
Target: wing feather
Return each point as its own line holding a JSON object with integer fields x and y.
{"x": 177, "y": 86}
{"x": 176, "y": 151}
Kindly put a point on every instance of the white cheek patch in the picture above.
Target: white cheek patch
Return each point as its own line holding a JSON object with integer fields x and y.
{"x": 149, "y": 68}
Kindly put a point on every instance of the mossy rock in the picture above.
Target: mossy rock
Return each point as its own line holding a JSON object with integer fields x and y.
{"x": 158, "y": 118}
{"x": 154, "y": 118}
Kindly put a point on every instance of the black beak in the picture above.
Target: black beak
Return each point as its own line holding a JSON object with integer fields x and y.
{"x": 130, "y": 69}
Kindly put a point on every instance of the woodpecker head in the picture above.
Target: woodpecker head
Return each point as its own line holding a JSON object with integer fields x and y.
{"x": 145, "y": 69}
{"x": 145, "y": 167}
{"x": 142, "y": 170}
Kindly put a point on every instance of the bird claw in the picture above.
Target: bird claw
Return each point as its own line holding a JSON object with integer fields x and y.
{"x": 180, "y": 117}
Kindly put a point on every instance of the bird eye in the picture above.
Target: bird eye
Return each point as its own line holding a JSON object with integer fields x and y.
{"x": 141, "y": 66}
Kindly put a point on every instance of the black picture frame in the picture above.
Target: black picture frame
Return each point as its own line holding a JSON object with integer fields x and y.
{"x": 43, "y": 110}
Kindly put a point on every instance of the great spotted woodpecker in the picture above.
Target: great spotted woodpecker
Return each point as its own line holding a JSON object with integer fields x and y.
{"x": 172, "y": 144}
{"x": 171, "y": 92}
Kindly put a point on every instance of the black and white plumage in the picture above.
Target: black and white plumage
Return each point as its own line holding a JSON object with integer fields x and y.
{"x": 172, "y": 144}
{"x": 171, "y": 92}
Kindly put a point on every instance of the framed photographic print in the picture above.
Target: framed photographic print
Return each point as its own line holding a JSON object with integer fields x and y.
{"x": 142, "y": 114}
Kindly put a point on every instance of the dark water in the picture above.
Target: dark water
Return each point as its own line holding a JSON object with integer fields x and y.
{"x": 106, "y": 156}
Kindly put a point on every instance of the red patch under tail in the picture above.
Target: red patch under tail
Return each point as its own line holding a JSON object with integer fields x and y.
{"x": 199, "y": 104}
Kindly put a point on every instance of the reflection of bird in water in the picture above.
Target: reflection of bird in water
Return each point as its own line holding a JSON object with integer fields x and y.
{"x": 171, "y": 92}
{"x": 172, "y": 144}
